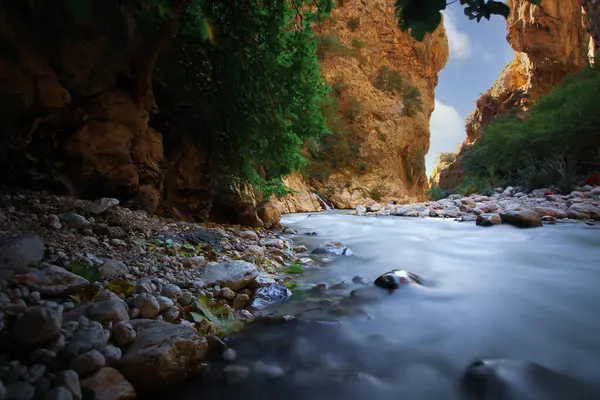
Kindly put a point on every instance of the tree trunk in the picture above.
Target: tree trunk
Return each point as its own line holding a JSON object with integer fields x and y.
{"x": 144, "y": 67}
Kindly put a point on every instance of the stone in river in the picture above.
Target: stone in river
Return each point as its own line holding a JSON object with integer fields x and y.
{"x": 270, "y": 294}
{"x": 488, "y": 219}
{"x": 234, "y": 274}
{"x": 333, "y": 248}
{"x": 521, "y": 218}
{"x": 396, "y": 278}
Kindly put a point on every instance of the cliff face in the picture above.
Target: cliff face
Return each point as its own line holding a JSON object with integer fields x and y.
{"x": 549, "y": 44}
{"x": 389, "y": 161}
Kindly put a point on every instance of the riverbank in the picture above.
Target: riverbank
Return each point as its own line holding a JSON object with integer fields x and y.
{"x": 504, "y": 206}
{"x": 101, "y": 300}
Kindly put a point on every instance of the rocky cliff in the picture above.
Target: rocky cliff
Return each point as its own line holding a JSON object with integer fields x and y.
{"x": 389, "y": 146}
{"x": 549, "y": 44}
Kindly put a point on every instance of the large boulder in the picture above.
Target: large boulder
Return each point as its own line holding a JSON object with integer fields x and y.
{"x": 521, "y": 218}
{"x": 38, "y": 325}
{"x": 270, "y": 294}
{"x": 583, "y": 211}
{"x": 270, "y": 213}
{"x": 107, "y": 384}
{"x": 50, "y": 280}
{"x": 234, "y": 274}
{"x": 488, "y": 219}
{"x": 395, "y": 278}
{"x": 162, "y": 353}
{"x": 19, "y": 252}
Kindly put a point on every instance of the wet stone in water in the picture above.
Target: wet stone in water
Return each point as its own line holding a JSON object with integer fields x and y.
{"x": 396, "y": 278}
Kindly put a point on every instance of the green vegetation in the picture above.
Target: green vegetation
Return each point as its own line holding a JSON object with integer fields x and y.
{"x": 353, "y": 23}
{"x": 331, "y": 45}
{"x": 435, "y": 193}
{"x": 413, "y": 162}
{"x": 388, "y": 80}
{"x": 558, "y": 145}
{"x": 339, "y": 86}
{"x": 358, "y": 44}
{"x": 412, "y": 100}
{"x": 377, "y": 192}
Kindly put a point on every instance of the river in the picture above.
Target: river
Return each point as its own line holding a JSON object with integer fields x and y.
{"x": 500, "y": 292}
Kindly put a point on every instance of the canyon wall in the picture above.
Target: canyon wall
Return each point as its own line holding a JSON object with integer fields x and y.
{"x": 549, "y": 44}
{"x": 389, "y": 161}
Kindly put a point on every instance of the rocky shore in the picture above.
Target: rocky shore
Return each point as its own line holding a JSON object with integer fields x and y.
{"x": 505, "y": 205}
{"x": 100, "y": 302}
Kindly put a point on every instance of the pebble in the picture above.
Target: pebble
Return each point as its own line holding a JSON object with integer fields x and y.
{"x": 123, "y": 334}
{"x": 53, "y": 222}
{"x": 164, "y": 303}
{"x": 186, "y": 297}
{"x": 229, "y": 354}
{"x": 148, "y": 305}
{"x": 76, "y": 221}
{"x": 35, "y": 372}
{"x": 111, "y": 354}
{"x": 43, "y": 356}
{"x": 271, "y": 371}
{"x": 236, "y": 374}
{"x": 70, "y": 380}
{"x": 88, "y": 362}
{"x": 42, "y": 385}
{"x": 227, "y": 293}
{"x": 241, "y": 301}
{"x": 171, "y": 291}
{"x": 134, "y": 313}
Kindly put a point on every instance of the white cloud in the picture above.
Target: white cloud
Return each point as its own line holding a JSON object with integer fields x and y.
{"x": 447, "y": 129}
{"x": 460, "y": 45}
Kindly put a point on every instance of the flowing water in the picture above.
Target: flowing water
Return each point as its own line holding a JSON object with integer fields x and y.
{"x": 499, "y": 292}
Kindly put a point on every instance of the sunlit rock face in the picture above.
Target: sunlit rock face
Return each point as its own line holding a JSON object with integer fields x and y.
{"x": 549, "y": 44}
{"x": 391, "y": 146}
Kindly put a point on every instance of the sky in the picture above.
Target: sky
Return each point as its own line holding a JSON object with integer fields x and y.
{"x": 478, "y": 53}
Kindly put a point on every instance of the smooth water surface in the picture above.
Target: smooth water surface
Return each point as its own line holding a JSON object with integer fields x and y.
{"x": 499, "y": 292}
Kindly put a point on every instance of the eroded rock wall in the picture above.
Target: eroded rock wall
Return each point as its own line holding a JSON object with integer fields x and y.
{"x": 388, "y": 139}
{"x": 549, "y": 44}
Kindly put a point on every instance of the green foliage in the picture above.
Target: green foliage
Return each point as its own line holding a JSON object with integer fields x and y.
{"x": 388, "y": 80}
{"x": 362, "y": 167}
{"x": 214, "y": 319}
{"x": 353, "y": 22}
{"x": 92, "y": 274}
{"x": 353, "y": 109}
{"x": 414, "y": 165}
{"x": 435, "y": 193}
{"x": 254, "y": 89}
{"x": 331, "y": 45}
{"x": 424, "y": 16}
{"x": 378, "y": 192}
{"x": 358, "y": 44}
{"x": 411, "y": 97}
{"x": 557, "y": 145}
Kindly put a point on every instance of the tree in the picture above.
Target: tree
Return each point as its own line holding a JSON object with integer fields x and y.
{"x": 424, "y": 16}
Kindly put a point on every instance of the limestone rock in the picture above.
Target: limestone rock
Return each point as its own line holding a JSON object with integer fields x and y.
{"x": 108, "y": 384}
{"x": 108, "y": 311}
{"x": 488, "y": 219}
{"x": 123, "y": 334}
{"x": 521, "y": 218}
{"x": 162, "y": 353}
{"x": 113, "y": 268}
{"x": 51, "y": 280}
{"x": 92, "y": 337}
{"x": 38, "y": 325}
{"x": 147, "y": 304}
{"x": 302, "y": 200}
{"x": 101, "y": 205}
{"x": 269, "y": 213}
{"x": 88, "y": 362}
{"x": 234, "y": 274}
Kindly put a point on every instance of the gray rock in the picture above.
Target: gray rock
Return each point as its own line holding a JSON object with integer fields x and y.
{"x": 20, "y": 391}
{"x": 171, "y": 314}
{"x": 85, "y": 339}
{"x": 17, "y": 371}
{"x": 333, "y": 248}
{"x": 70, "y": 380}
{"x": 108, "y": 384}
{"x": 186, "y": 297}
{"x": 87, "y": 362}
{"x": 270, "y": 294}
{"x": 396, "y": 278}
{"x": 58, "y": 393}
{"x": 76, "y": 221}
{"x": 147, "y": 304}
{"x": 229, "y": 354}
{"x": 249, "y": 235}
{"x": 51, "y": 280}
{"x": 164, "y": 303}
{"x": 19, "y": 252}
{"x": 134, "y": 313}
{"x": 123, "y": 334}
{"x": 521, "y": 218}
{"x": 108, "y": 311}
{"x": 162, "y": 353}
{"x": 144, "y": 286}
{"x": 583, "y": 211}
{"x": 111, "y": 354}
{"x": 171, "y": 291}
{"x": 112, "y": 268}
{"x": 38, "y": 325}
{"x": 236, "y": 374}
{"x": 42, "y": 385}
{"x": 43, "y": 356}
{"x": 234, "y": 274}
{"x": 116, "y": 232}
{"x": 101, "y": 205}
{"x": 35, "y": 372}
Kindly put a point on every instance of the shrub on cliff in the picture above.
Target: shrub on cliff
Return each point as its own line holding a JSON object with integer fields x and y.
{"x": 331, "y": 44}
{"x": 388, "y": 80}
{"x": 435, "y": 193}
{"x": 557, "y": 145}
{"x": 353, "y": 23}
{"x": 411, "y": 98}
